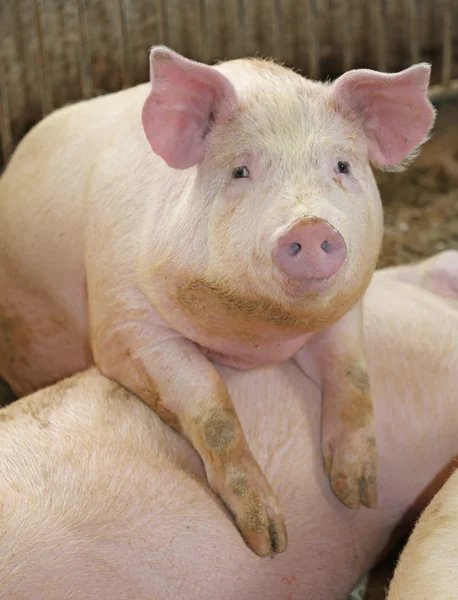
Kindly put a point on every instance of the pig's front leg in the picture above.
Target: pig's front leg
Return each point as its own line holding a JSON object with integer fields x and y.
{"x": 348, "y": 426}
{"x": 169, "y": 373}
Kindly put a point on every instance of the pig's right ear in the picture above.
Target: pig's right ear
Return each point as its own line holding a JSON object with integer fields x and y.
{"x": 186, "y": 99}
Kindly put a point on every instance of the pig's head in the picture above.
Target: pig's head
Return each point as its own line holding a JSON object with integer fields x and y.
{"x": 278, "y": 202}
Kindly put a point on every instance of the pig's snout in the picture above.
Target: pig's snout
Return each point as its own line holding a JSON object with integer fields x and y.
{"x": 310, "y": 249}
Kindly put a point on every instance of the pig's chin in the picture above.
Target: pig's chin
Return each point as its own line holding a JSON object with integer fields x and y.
{"x": 297, "y": 288}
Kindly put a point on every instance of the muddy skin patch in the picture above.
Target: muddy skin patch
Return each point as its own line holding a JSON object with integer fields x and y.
{"x": 118, "y": 392}
{"x": 153, "y": 400}
{"x": 228, "y": 304}
{"x": 200, "y": 298}
{"x": 356, "y": 410}
{"x": 338, "y": 181}
{"x": 356, "y": 406}
{"x": 219, "y": 429}
{"x": 50, "y": 398}
{"x": 219, "y": 309}
{"x": 238, "y": 483}
{"x": 41, "y": 417}
{"x": 20, "y": 409}
{"x": 359, "y": 377}
{"x": 146, "y": 389}
{"x": 253, "y": 516}
{"x": 304, "y": 198}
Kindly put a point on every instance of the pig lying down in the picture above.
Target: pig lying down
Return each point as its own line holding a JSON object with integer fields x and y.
{"x": 101, "y": 499}
{"x": 225, "y": 214}
{"x": 428, "y": 564}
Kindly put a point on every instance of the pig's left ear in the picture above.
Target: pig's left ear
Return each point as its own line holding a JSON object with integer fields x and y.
{"x": 186, "y": 100}
{"x": 393, "y": 108}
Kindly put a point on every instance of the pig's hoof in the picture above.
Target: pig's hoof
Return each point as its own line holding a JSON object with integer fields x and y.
{"x": 248, "y": 495}
{"x": 261, "y": 525}
{"x": 352, "y": 472}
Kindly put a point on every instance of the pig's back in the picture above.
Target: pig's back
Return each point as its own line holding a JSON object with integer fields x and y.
{"x": 43, "y": 312}
{"x": 120, "y": 505}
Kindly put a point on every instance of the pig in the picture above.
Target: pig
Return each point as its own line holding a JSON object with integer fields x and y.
{"x": 427, "y": 567}
{"x": 101, "y": 499}
{"x": 220, "y": 214}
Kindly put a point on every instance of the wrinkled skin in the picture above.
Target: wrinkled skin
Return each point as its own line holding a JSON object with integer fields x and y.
{"x": 100, "y": 499}
{"x": 145, "y": 232}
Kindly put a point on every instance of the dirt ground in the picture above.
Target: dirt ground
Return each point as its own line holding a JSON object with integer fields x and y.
{"x": 421, "y": 203}
{"x": 421, "y": 218}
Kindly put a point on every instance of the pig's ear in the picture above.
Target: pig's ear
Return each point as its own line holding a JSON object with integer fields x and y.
{"x": 393, "y": 108}
{"x": 186, "y": 99}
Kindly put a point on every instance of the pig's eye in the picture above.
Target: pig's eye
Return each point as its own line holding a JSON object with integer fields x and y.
{"x": 240, "y": 173}
{"x": 343, "y": 167}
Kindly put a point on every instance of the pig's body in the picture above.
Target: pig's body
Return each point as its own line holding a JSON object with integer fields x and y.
{"x": 102, "y": 500}
{"x": 427, "y": 567}
{"x": 224, "y": 212}
{"x": 43, "y": 299}
{"x": 50, "y": 241}
{"x": 51, "y": 303}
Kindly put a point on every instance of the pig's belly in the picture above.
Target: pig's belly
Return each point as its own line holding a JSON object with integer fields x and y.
{"x": 253, "y": 356}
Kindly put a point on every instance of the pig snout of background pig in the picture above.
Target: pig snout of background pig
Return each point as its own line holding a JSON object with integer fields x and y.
{"x": 254, "y": 222}
{"x": 101, "y": 500}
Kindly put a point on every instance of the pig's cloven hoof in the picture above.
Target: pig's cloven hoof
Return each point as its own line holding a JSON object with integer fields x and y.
{"x": 352, "y": 470}
{"x": 250, "y": 499}
{"x": 262, "y": 526}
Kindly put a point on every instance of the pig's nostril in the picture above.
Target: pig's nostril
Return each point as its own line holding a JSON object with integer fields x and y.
{"x": 326, "y": 246}
{"x": 294, "y": 249}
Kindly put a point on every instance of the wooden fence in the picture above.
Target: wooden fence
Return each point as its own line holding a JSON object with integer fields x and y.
{"x": 53, "y": 52}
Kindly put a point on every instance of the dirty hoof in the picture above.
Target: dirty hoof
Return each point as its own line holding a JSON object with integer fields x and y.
{"x": 249, "y": 497}
{"x": 352, "y": 470}
{"x": 261, "y": 525}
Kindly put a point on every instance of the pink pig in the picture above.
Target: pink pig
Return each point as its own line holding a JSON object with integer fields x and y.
{"x": 100, "y": 500}
{"x": 242, "y": 219}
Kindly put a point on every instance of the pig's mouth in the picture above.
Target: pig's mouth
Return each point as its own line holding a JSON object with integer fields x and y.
{"x": 295, "y": 287}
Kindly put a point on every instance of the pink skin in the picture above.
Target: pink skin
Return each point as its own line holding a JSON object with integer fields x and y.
{"x": 142, "y": 239}
{"x": 100, "y": 499}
